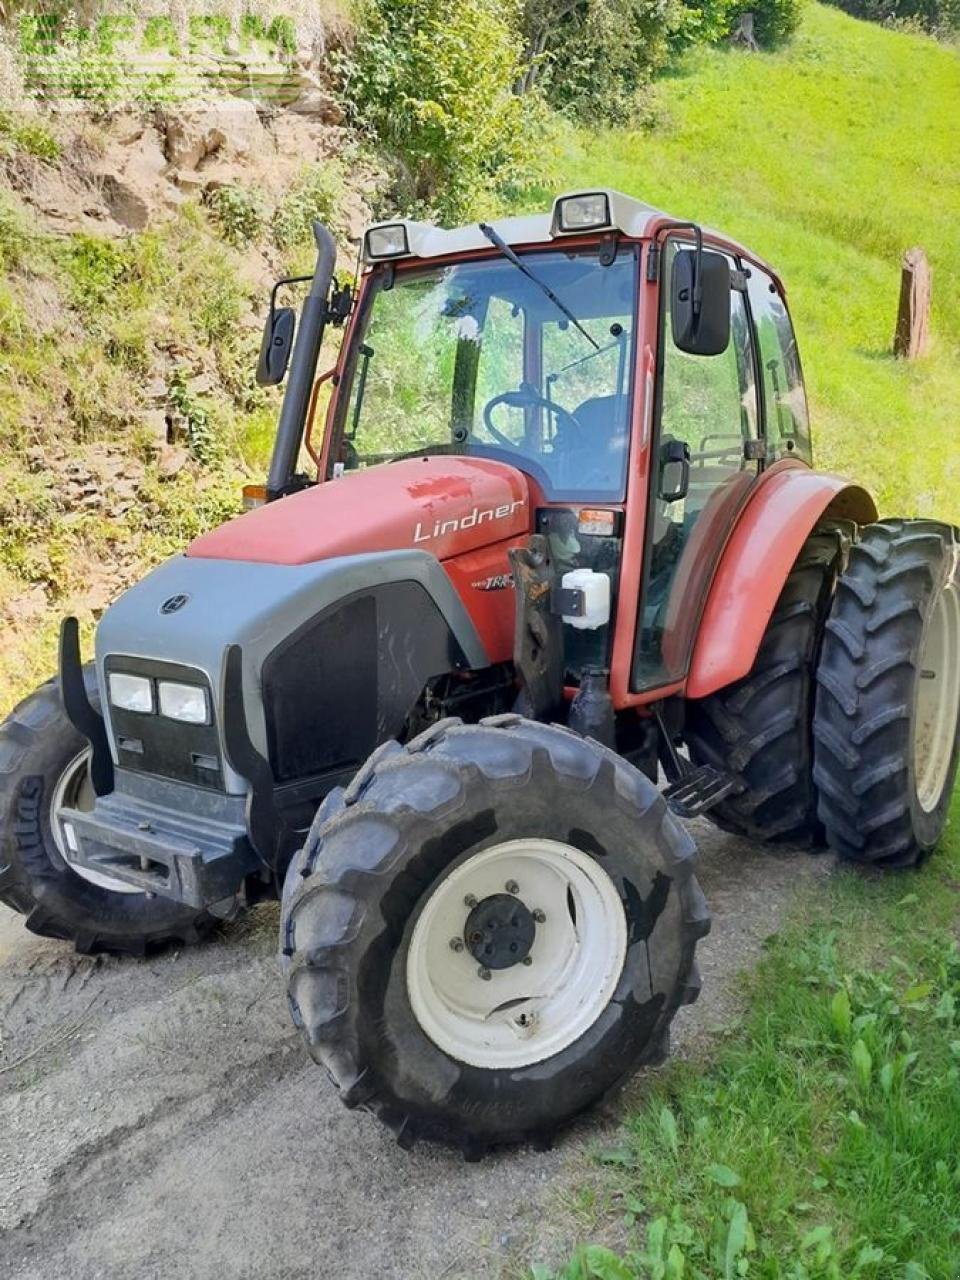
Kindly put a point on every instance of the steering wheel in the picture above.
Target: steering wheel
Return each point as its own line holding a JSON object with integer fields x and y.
{"x": 525, "y": 398}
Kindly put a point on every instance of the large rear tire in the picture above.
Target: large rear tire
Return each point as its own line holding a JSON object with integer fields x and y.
{"x": 887, "y": 723}
{"x": 43, "y": 763}
{"x": 760, "y": 729}
{"x": 491, "y": 928}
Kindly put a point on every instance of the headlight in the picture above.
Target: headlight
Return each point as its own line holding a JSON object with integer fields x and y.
{"x": 584, "y": 213}
{"x": 131, "y": 693}
{"x": 386, "y": 242}
{"x": 187, "y": 702}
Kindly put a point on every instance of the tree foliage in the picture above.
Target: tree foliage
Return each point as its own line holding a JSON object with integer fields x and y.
{"x": 938, "y": 17}
{"x": 595, "y": 58}
{"x": 434, "y": 84}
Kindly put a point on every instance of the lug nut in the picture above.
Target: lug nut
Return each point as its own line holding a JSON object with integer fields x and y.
{"x": 539, "y": 915}
{"x": 528, "y": 960}
{"x": 484, "y": 973}
{"x": 456, "y": 944}
{"x": 470, "y": 901}
{"x": 512, "y": 887}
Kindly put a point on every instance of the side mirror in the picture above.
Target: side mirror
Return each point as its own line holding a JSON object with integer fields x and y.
{"x": 704, "y": 329}
{"x": 276, "y": 346}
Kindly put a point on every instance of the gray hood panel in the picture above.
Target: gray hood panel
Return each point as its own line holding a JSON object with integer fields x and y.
{"x": 257, "y": 606}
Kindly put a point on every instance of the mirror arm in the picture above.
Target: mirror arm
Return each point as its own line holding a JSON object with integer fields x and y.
{"x": 279, "y": 285}
{"x": 697, "y": 272}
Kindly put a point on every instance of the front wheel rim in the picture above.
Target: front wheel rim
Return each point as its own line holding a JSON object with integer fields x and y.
{"x": 523, "y": 1012}
{"x": 74, "y": 790}
{"x": 937, "y": 709}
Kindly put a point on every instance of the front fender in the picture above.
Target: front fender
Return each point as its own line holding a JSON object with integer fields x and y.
{"x": 754, "y": 566}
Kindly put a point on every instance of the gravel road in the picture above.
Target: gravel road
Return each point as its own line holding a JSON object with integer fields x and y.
{"x": 159, "y": 1118}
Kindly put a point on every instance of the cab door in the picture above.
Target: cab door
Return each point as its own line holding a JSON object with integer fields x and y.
{"x": 706, "y": 458}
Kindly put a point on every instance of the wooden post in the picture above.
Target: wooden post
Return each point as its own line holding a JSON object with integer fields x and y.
{"x": 912, "y": 337}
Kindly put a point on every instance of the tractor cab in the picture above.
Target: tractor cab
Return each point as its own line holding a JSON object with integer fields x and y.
{"x": 640, "y": 374}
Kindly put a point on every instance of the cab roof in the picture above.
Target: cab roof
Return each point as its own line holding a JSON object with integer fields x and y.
{"x": 631, "y": 217}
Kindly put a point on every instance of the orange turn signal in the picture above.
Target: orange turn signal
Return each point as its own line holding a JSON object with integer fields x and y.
{"x": 598, "y": 522}
{"x": 254, "y": 495}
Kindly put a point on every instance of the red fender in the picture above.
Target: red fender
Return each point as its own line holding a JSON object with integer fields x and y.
{"x": 753, "y": 568}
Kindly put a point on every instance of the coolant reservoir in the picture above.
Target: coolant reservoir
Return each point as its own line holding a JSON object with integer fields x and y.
{"x": 596, "y": 598}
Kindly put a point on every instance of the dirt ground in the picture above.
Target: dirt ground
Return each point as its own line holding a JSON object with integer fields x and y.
{"x": 160, "y": 1117}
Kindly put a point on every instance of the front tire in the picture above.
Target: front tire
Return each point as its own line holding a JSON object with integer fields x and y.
{"x": 491, "y": 928}
{"x": 887, "y": 723}
{"x": 42, "y": 765}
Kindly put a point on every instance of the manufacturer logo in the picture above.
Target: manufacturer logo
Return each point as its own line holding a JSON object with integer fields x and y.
{"x": 174, "y": 603}
{"x": 474, "y": 517}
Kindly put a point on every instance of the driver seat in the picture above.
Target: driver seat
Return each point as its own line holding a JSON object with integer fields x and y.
{"x": 595, "y": 453}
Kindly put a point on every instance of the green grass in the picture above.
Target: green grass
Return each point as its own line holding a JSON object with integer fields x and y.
{"x": 830, "y": 158}
{"x": 822, "y": 1141}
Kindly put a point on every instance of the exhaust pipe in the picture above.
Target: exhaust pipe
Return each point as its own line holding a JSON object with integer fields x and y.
{"x": 303, "y": 367}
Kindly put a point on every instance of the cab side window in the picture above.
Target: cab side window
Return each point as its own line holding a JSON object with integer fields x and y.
{"x": 785, "y": 402}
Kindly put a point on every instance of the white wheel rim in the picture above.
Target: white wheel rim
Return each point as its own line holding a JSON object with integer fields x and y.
{"x": 527, "y": 1012}
{"x": 938, "y": 699}
{"x": 75, "y": 791}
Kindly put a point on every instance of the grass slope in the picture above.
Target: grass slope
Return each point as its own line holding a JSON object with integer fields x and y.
{"x": 830, "y": 158}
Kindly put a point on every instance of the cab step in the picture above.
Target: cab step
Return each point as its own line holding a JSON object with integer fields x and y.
{"x": 698, "y": 791}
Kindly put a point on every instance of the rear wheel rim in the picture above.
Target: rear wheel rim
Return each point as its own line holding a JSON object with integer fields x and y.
{"x": 937, "y": 708}
{"x": 513, "y": 1016}
{"x": 74, "y": 790}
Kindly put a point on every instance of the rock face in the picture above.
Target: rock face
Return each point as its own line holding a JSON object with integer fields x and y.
{"x": 226, "y": 129}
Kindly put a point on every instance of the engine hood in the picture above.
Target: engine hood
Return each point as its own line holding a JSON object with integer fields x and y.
{"x": 446, "y": 506}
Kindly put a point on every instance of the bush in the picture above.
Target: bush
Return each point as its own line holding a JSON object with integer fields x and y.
{"x": 602, "y": 54}
{"x": 23, "y": 133}
{"x": 15, "y": 236}
{"x": 315, "y": 196}
{"x": 434, "y": 83}
{"x": 937, "y": 17}
{"x": 774, "y": 21}
{"x": 239, "y": 214}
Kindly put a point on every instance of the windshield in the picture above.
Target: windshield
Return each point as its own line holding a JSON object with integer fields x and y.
{"x": 475, "y": 359}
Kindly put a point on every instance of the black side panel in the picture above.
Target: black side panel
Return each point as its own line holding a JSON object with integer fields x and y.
{"x": 347, "y": 680}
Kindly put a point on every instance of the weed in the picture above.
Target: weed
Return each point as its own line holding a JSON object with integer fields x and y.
{"x": 239, "y": 213}
{"x": 314, "y": 196}
{"x": 204, "y": 444}
{"x": 16, "y": 240}
{"x": 26, "y": 134}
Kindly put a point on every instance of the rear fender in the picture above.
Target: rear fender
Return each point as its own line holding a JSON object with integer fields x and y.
{"x": 754, "y": 566}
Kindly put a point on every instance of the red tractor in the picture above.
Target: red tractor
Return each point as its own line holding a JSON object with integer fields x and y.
{"x": 561, "y": 534}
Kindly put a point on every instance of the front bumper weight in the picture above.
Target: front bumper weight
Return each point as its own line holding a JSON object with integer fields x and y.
{"x": 196, "y": 859}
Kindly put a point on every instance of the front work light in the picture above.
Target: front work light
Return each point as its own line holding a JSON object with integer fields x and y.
{"x": 186, "y": 702}
{"x": 386, "y": 242}
{"x": 130, "y": 693}
{"x": 584, "y": 213}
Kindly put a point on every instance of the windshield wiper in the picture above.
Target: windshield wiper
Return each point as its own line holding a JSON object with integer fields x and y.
{"x": 510, "y": 256}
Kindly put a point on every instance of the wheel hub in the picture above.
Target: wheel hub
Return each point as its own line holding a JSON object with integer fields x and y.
{"x": 499, "y": 931}
{"x": 507, "y": 1008}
